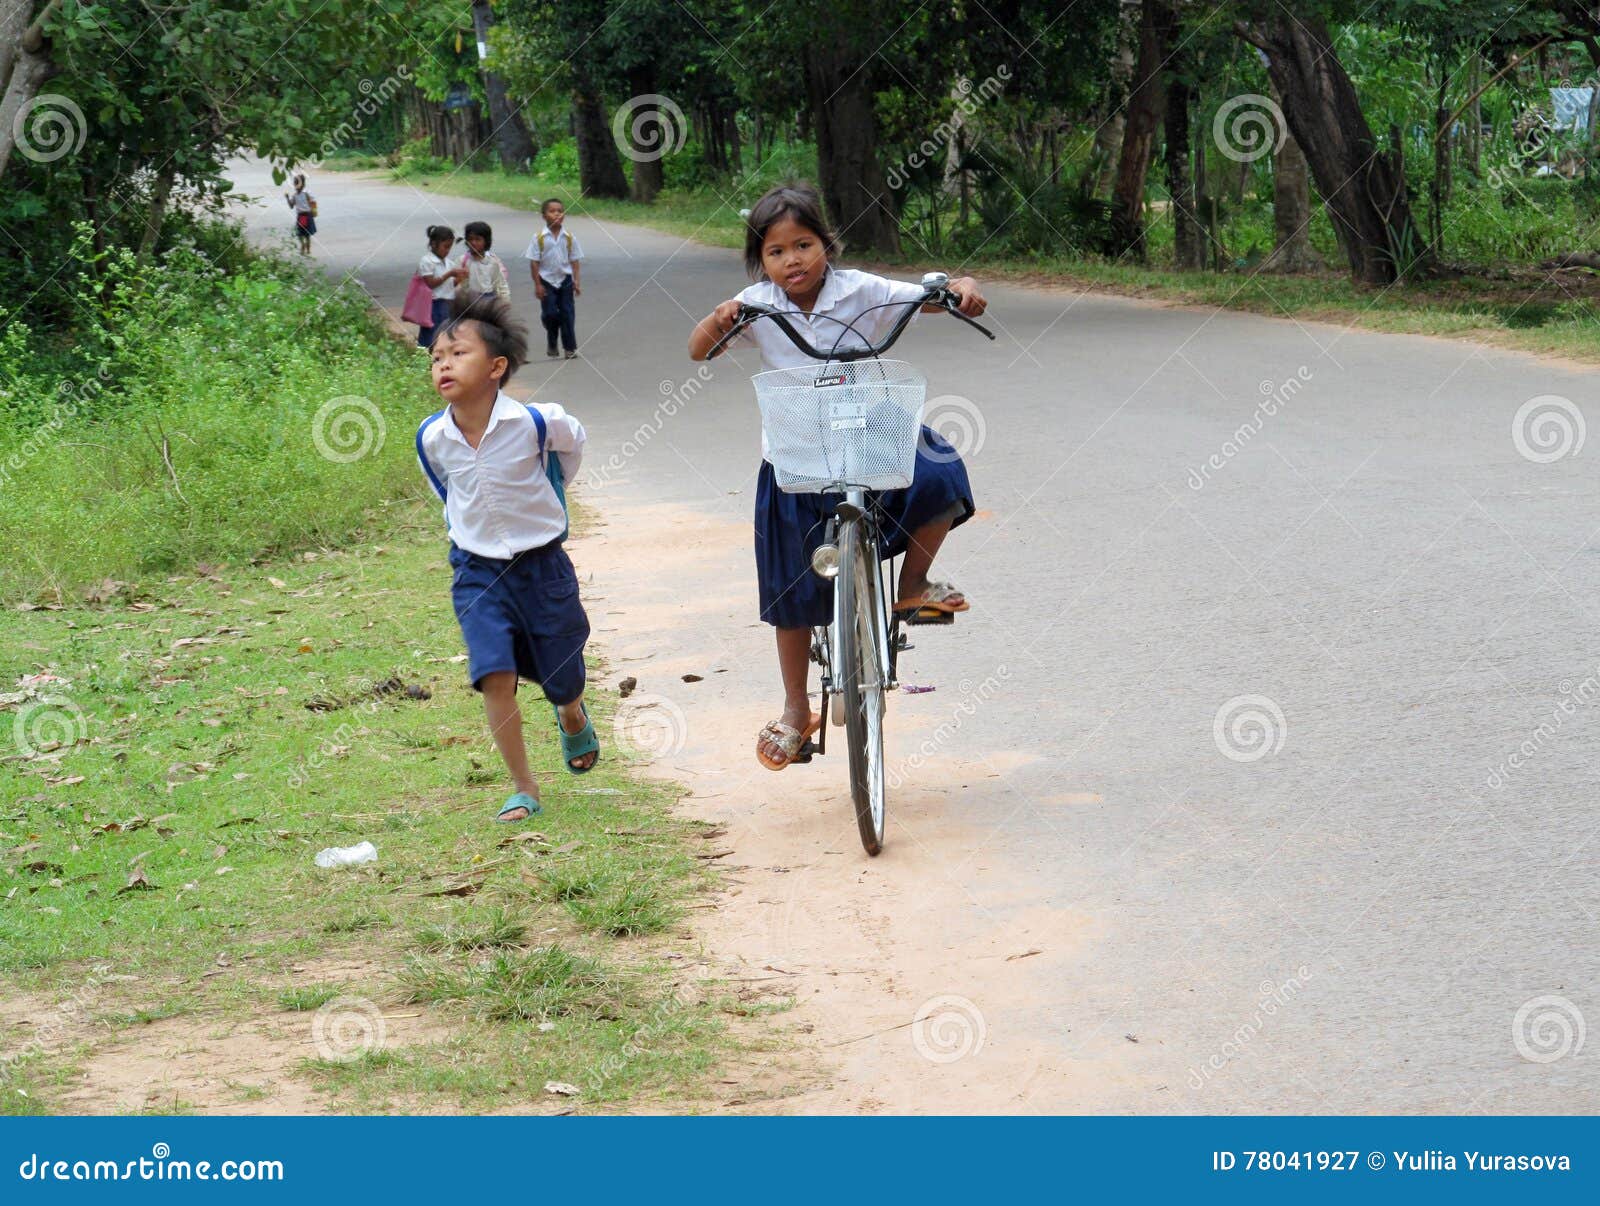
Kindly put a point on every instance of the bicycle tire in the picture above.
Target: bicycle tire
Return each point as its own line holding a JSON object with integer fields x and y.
{"x": 861, "y": 685}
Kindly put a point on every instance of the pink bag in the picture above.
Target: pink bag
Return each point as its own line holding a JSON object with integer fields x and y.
{"x": 419, "y": 303}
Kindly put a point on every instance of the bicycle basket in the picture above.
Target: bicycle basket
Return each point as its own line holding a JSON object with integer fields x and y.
{"x": 832, "y": 425}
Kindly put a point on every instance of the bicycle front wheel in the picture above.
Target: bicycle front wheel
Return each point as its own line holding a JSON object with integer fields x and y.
{"x": 861, "y": 680}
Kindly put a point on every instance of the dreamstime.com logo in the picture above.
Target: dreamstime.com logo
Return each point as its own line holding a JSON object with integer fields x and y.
{"x": 346, "y": 1028}
{"x": 1248, "y": 127}
{"x": 157, "y": 1166}
{"x": 48, "y": 723}
{"x": 1548, "y": 1028}
{"x": 1548, "y": 428}
{"x": 948, "y": 1028}
{"x": 651, "y": 726}
{"x": 649, "y": 127}
{"x": 347, "y": 428}
{"x": 49, "y": 127}
{"x": 1248, "y": 728}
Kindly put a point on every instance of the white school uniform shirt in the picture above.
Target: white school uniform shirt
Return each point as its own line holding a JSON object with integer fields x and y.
{"x": 847, "y": 296}
{"x": 487, "y": 275}
{"x": 301, "y": 201}
{"x": 432, "y": 265}
{"x": 498, "y": 498}
{"x": 559, "y": 253}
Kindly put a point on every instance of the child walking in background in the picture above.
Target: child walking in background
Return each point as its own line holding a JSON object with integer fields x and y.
{"x": 441, "y": 272}
{"x": 788, "y": 243}
{"x": 486, "y": 272}
{"x": 491, "y": 459}
{"x": 554, "y": 257}
{"x": 304, "y": 206}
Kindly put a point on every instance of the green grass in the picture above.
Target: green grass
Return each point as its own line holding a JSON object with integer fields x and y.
{"x": 168, "y": 787}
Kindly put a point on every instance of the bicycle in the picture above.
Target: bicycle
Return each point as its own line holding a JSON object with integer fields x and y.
{"x": 842, "y": 428}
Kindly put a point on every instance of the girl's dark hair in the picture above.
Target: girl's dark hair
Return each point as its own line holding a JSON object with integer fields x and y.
{"x": 438, "y": 233}
{"x": 479, "y": 228}
{"x": 299, "y": 180}
{"x": 798, "y": 201}
{"x": 496, "y": 325}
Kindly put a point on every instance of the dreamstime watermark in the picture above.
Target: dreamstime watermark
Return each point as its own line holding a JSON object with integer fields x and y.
{"x": 965, "y": 708}
{"x": 967, "y": 102}
{"x": 959, "y": 423}
{"x": 48, "y": 127}
{"x": 347, "y": 428}
{"x": 1273, "y": 997}
{"x": 659, "y": 1025}
{"x": 78, "y": 395}
{"x": 1273, "y": 396}
{"x": 948, "y": 1028}
{"x": 346, "y": 1028}
{"x": 1548, "y": 1028}
{"x": 649, "y": 127}
{"x": 48, "y": 723}
{"x": 651, "y": 726}
{"x": 1573, "y": 697}
{"x": 1548, "y": 428}
{"x": 373, "y": 99}
{"x": 1249, "y": 126}
{"x": 54, "y": 1028}
{"x": 1248, "y": 728}
{"x": 675, "y": 395}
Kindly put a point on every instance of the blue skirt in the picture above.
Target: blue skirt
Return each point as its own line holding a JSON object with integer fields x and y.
{"x": 789, "y": 527}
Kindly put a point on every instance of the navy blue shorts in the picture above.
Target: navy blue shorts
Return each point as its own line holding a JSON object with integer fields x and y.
{"x": 522, "y": 615}
{"x": 789, "y": 527}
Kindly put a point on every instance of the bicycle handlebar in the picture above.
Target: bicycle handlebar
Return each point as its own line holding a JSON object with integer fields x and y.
{"x": 935, "y": 290}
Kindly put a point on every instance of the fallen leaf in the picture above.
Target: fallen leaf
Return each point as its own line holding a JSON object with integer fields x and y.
{"x": 560, "y": 1088}
{"x": 1023, "y": 955}
{"x": 527, "y": 835}
{"x": 626, "y": 687}
{"x": 278, "y": 582}
{"x": 693, "y": 678}
{"x": 137, "y": 882}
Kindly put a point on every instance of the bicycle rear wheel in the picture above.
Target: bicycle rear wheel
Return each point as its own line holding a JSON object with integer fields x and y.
{"x": 861, "y": 681}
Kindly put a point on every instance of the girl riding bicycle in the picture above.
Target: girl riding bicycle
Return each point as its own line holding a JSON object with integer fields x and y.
{"x": 789, "y": 243}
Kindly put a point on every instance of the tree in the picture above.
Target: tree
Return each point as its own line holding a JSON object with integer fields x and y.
{"x": 510, "y": 131}
{"x": 24, "y": 64}
{"x": 1145, "y": 101}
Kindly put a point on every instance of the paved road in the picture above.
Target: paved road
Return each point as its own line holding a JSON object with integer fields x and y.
{"x": 1377, "y": 891}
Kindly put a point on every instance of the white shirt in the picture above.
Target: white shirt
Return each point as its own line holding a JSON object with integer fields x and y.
{"x": 557, "y": 258}
{"x": 847, "y": 296}
{"x": 487, "y": 275}
{"x": 498, "y": 500}
{"x": 301, "y": 201}
{"x": 432, "y": 265}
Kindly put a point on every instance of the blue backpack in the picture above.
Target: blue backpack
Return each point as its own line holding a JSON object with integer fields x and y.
{"x": 552, "y": 465}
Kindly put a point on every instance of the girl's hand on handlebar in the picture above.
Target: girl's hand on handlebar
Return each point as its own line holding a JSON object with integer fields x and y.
{"x": 969, "y": 299}
{"x": 725, "y": 315}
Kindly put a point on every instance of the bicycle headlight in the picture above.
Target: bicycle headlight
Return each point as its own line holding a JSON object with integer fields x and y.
{"x": 825, "y": 561}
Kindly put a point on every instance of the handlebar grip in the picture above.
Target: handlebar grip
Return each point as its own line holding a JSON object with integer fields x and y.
{"x": 951, "y": 301}
{"x": 747, "y": 315}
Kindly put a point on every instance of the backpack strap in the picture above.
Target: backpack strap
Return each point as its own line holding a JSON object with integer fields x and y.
{"x": 422, "y": 456}
{"x": 552, "y": 465}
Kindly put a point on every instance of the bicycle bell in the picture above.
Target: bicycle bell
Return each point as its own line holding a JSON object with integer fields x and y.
{"x": 935, "y": 280}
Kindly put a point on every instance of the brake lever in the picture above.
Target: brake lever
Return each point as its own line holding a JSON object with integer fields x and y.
{"x": 747, "y": 315}
{"x": 950, "y": 303}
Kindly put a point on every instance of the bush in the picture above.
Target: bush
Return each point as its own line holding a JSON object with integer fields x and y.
{"x": 198, "y": 414}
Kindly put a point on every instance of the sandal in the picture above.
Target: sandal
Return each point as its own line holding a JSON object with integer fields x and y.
{"x": 576, "y": 745}
{"x": 520, "y": 800}
{"x": 936, "y": 598}
{"x": 796, "y": 745}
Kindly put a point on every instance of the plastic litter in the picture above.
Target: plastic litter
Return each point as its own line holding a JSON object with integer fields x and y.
{"x": 347, "y": 856}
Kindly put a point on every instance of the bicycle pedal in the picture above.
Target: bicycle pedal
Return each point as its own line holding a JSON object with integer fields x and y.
{"x": 803, "y": 754}
{"x": 928, "y": 615}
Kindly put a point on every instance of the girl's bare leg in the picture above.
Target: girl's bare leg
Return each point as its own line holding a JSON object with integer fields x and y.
{"x": 920, "y": 552}
{"x": 794, "y": 661}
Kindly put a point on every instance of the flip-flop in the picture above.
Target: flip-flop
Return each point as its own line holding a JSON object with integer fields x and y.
{"x": 792, "y": 741}
{"x": 936, "y": 598}
{"x": 520, "y": 800}
{"x": 576, "y": 745}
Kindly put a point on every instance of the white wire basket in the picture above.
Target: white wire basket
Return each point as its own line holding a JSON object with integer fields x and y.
{"x": 832, "y": 426}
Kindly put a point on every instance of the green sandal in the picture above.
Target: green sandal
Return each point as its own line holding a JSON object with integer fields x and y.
{"x": 520, "y": 800}
{"x": 576, "y": 745}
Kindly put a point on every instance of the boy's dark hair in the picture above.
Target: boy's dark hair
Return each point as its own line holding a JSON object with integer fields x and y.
{"x": 479, "y": 228}
{"x": 797, "y": 200}
{"x": 439, "y": 233}
{"x": 496, "y": 325}
{"x": 545, "y": 208}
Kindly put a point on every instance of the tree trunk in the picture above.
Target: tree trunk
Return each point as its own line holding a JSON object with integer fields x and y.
{"x": 1205, "y": 207}
{"x": 1108, "y": 134}
{"x": 1361, "y": 185}
{"x": 1291, "y": 211}
{"x": 648, "y": 173}
{"x": 1475, "y": 116}
{"x": 1138, "y": 135}
{"x": 510, "y": 131}
{"x": 24, "y": 66}
{"x": 848, "y": 170}
{"x": 599, "y": 165}
{"x": 157, "y": 213}
{"x": 1180, "y": 180}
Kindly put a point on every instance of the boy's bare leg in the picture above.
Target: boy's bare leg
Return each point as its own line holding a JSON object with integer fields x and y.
{"x": 572, "y": 721}
{"x": 794, "y": 661}
{"x": 505, "y": 726}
